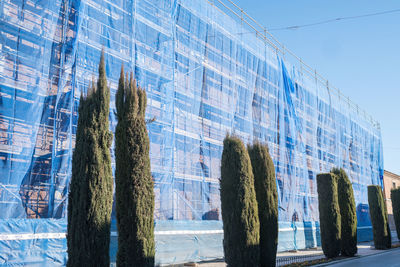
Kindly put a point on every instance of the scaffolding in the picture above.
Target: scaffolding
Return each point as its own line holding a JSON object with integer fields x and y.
{"x": 231, "y": 8}
{"x": 208, "y": 69}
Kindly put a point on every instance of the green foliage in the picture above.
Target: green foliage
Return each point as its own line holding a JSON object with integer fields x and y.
{"x": 348, "y": 213}
{"x": 133, "y": 181}
{"x": 329, "y": 214}
{"x": 379, "y": 218}
{"x": 239, "y": 206}
{"x": 267, "y": 199}
{"x": 91, "y": 189}
{"x": 395, "y": 196}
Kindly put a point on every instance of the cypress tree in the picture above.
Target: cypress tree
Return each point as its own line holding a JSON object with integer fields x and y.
{"x": 379, "y": 218}
{"x": 329, "y": 214}
{"x": 91, "y": 189}
{"x": 395, "y": 196}
{"x": 239, "y": 206}
{"x": 133, "y": 181}
{"x": 348, "y": 213}
{"x": 267, "y": 199}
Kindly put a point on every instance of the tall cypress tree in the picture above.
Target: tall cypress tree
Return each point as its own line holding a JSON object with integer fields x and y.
{"x": 133, "y": 181}
{"x": 267, "y": 199}
{"x": 379, "y": 218}
{"x": 91, "y": 189}
{"x": 348, "y": 214}
{"x": 239, "y": 206}
{"x": 395, "y": 196}
{"x": 329, "y": 214}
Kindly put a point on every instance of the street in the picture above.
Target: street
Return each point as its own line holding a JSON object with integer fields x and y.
{"x": 386, "y": 259}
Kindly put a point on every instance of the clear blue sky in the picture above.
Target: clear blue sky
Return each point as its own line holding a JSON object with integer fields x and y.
{"x": 361, "y": 57}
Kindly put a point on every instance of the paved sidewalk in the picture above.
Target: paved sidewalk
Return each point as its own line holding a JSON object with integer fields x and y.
{"x": 387, "y": 258}
{"x": 283, "y": 258}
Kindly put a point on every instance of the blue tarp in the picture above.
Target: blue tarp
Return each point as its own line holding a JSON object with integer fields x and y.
{"x": 204, "y": 78}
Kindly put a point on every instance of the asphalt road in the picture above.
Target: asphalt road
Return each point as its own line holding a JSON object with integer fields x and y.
{"x": 386, "y": 259}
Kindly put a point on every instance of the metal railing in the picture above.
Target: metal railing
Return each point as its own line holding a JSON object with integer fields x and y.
{"x": 286, "y": 260}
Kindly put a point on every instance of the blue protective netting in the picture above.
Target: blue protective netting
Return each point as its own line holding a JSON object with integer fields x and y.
{"x": 204, "y": 77}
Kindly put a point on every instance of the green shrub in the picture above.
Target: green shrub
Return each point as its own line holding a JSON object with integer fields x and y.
{"x": 348, "y": 213}
{"x": 395, "y": 196}
{"x": 91, "y": 190}
{"x": 267, "y": 199}
{"x": 329, "y": 214}
{"x": 379, "y": 218}
{"x": 239, "y": 206}
{"x": 133, "y": 181}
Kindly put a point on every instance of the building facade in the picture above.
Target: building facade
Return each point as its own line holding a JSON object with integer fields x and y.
{"x": 206, "y": 73}
{"x": 390, "y": 181}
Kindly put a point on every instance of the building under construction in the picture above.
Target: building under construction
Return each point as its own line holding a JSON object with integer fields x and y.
{"x": 208, "y": 69}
